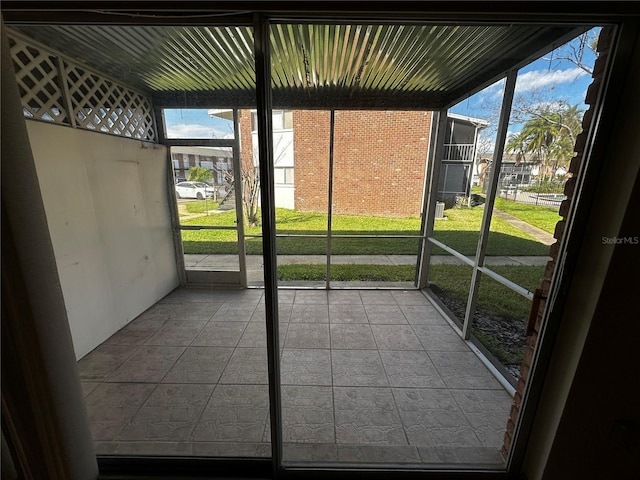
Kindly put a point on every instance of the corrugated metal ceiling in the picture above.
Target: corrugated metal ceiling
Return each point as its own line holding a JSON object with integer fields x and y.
{"x": 327, "y": 65}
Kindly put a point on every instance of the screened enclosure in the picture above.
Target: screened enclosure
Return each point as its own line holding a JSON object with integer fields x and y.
{"x": 309, "y": 311}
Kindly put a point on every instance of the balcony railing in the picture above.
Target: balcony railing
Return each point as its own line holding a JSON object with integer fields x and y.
{"x": 458, "y": 152}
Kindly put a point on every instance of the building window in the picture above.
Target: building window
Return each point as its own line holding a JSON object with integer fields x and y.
{"x": 282, "y": 120}
{"x": 283, "y": 175}
{"x": 288, "y": 120}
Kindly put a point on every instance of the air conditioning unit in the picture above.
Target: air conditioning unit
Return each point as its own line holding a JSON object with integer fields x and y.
{"x": 439, "y": 210}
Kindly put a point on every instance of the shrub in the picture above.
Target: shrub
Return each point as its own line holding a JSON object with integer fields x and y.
{"x": 545, "y": 187}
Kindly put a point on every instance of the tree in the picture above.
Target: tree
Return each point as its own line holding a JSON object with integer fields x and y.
{"x": 538, "y": 136}
{"x": 575, "y": 52}
{"x": 551, "y": 123}
{"x": 251, "y": 176}
{"x": 517, "y": 143}
{"x": 549, "y": 134}
{"x": 200, "y": 174}
{"x": 250, "y": 193}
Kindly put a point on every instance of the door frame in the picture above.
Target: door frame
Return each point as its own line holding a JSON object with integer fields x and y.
{"x": 228, "y": 278}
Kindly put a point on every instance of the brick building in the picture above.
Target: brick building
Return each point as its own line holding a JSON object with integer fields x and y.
{"x": 379, "y": 159}
{"x": 218, "y": 160}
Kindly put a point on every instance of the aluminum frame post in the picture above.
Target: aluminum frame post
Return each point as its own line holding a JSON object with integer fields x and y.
{"x": 496, "y": 164}
{"x": 474, "y": 154}
{"x": 429, "y": 206}
{"x": 332, "y": 123}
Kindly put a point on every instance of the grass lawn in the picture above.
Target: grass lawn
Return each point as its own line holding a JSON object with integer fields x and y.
{"x": 454, "y": 282}
{"x": 544, "y": 218}
{"x": 496, "y": 305}
{"x": 348, "y": 273}
{"x": 201, "y": 206}
{"x": 460, "y": 232}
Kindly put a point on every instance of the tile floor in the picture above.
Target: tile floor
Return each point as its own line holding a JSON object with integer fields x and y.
{"x": 367, "y": 376}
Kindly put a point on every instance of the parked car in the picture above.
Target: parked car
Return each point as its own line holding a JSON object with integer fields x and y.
{"x": 198, "y": 190}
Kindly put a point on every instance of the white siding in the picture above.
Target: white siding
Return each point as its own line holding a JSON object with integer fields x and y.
{"x": 283, "y": 157}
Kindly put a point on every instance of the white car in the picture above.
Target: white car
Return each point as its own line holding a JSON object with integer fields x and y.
{"x": 198, "y": 190}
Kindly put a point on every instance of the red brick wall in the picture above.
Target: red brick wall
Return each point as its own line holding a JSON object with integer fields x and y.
{"x": 311, "y": 159}
{"x": 379, "y": 161}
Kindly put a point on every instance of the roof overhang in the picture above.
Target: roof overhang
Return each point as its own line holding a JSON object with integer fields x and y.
{"x": 479, "y": 123}
{"x": 316, "y": 63}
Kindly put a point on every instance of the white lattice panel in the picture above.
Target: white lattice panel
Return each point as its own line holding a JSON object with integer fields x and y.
{"x": 104, "y": 105}
{"x": 38, "y": 82}
{"x": 91, "y": 101}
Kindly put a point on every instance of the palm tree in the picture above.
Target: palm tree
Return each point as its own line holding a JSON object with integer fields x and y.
{"x": 539, "y": 135}
{"x": 517, "y": 143}
{"x": 550, "y": 134}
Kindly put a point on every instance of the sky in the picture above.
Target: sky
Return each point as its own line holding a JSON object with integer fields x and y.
{"x": 547, "y": 79}
{"x": 196, "y": 123}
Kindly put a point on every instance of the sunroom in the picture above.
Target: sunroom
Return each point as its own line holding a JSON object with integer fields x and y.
{"x": 214, "y": 331}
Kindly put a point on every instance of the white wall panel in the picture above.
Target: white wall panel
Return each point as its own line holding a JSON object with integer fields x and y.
{"x": 282, "y": 148}
{"x": 106, "y": 204}
{"x": 285, "y": 196}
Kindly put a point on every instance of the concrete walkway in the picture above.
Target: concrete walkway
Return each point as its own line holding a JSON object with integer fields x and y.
{"x": 184, "y": 214}
{"x": 537, "y": 233}
{"x": 230, "y": 262}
